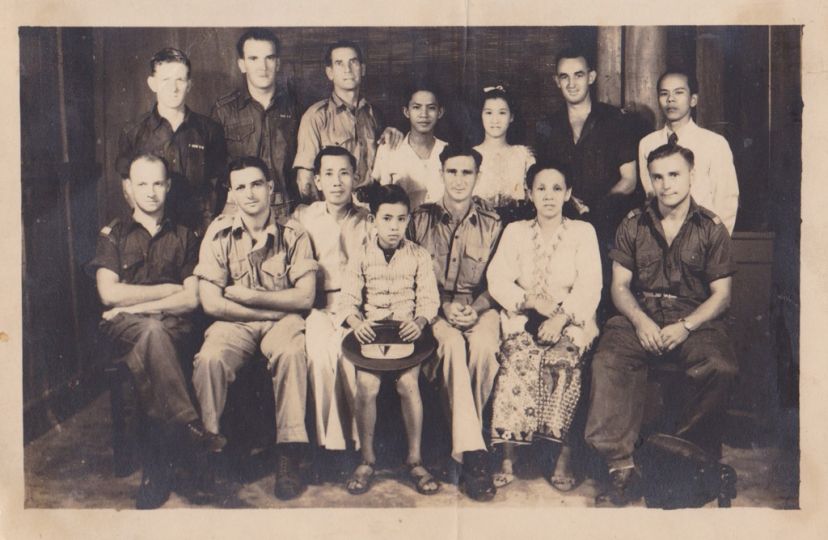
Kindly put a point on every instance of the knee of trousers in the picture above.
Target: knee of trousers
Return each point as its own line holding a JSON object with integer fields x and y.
{"x": 153, "y": 329}
{"x": 483, "y": 353}
{"x": 717, "y": 365}
{"x": 290, "y": 354}
{"x": 209, "y": 360}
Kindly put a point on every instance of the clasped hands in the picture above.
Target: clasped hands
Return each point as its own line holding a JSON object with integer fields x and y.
{"x": 657, "y": 340}
{"x": 550, "y": 330}
{"x": 410, "y": 330}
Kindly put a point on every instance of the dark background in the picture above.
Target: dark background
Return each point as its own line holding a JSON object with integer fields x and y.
{"x": 80, "y": 86}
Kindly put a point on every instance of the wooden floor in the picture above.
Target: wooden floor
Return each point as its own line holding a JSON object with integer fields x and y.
{"x": 71, "y": 467}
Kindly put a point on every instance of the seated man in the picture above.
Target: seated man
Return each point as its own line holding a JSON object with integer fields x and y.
{"x": 143, "y": 268}
{"x": 460, "y": 233}
{"x": 257, "y": 276}
{"x": 671, "y": 283}
{"x": 337, "y": 229}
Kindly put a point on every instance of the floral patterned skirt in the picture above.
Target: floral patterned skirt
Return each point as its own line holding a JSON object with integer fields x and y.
{"x": 536, "y": 391}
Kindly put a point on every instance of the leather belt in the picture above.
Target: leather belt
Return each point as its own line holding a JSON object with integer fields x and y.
{"x": 648, "y": 294}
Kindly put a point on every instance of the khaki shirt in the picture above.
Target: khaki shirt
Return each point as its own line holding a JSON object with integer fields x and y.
{"x": 460, "y": 251}
{"x": 227, "y": 256}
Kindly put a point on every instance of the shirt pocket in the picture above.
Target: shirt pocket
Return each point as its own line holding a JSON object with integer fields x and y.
{"x": 275, "y": 272}
{"x": 131, "y": 264}
{"x": 238, "y": 138}
{"x": 648, "y": 267}
{"x": 239, "y": 272}
{"x": 474, "y": 262}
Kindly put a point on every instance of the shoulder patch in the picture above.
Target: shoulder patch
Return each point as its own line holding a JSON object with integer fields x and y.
{"x": 710, "y": 215}
{"x": 633, "y": 213}
{"x": 107, "y": 230}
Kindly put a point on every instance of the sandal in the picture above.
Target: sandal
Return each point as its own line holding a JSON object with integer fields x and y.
{"x": 358, "y": 483}
{"x": 501, "y": 479}
{"x": 563, "y": 483}
{"x": 423, "y": 481}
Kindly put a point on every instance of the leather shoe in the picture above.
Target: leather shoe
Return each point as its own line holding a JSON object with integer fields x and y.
{"x": 199, "y": 437}
{"x": 625, "y": 487}
{"x": 477, "y": 478}
{"x": 155, "y": 487}
{"x": 289, "y": 482}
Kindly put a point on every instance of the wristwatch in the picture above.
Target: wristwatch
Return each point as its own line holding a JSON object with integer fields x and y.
{"x": 686, "y": 325}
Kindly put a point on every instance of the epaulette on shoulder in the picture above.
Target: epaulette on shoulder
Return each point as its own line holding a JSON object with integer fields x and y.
{"x": 220, "y": 224}
{"x": 634, "y": 213}
{"x": 488, "y": 213}
{"x": 107, "y": 230}
{"x": 227, "y": 98}
{"x": 710, "y": 215}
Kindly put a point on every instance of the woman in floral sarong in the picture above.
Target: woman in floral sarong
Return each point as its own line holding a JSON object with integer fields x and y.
{"x": 546, "y": 275}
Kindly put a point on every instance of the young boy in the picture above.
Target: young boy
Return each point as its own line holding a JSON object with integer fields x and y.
{"x": 337, "y": 229}
{"x": 396, "y": 279}
{"x": 415, "y": 163}
{"x": 715, "y": 186}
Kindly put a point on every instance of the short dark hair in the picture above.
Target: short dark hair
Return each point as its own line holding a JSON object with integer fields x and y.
{"x": 575, "y": 52}
{"x": 389, "y": 194}
{"x": 451, "y": 151}
{"x": 692, "y": 82}
{"x": 333, "y": 151}
{"x": 342, "y": 44}
{"x": 166, "y": 55}
{"x": 247, "y": 162}
{"x": 150, "y": 158}
{"x": 421, "y": 85}
{"x": 258, "y": 34}
{"x": 667, "y": 150}
{"x": 544, "y": 165}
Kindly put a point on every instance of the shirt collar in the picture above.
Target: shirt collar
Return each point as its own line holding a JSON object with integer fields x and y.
{"x": 132, "y": 223}
{"x": 158, "y": 119}
{"x": 694, "y": 211}
{"x": 238, "y": 224}
{"x": 340, "y": 104}
{"x": 445, "y": 216}
{"x": 247, "y": 98}
{"x": 687, "y": 128}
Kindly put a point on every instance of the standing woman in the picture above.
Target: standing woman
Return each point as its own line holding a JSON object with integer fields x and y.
{"x": 546, "y": 275}
{"x": 504, "y": 166}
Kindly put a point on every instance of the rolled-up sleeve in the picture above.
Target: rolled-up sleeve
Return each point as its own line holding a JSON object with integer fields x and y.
{"x": 301, "y": 257}
{"x": 582, "y": 301}
{"x": 428, "y": 297}
{"x": 106, "y": 256}
{"x": 212, "y": 261}
{"x": 720, "y": 261}
{"x": 504, "y": 271}
{"x": 623, "y": 251}
{"x": 308, "y": 139}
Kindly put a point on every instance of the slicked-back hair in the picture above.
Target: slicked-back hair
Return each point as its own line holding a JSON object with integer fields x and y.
{"x": 543, "y": 165}
{"x": 247, "y": 162}
{"x": 452, "y": 150}
{"x": 692, "y": 83}
{"x": 258, "y": 34}
{"x": 667, "y": 150}
{"x": 149, "y": 157}
{"x": 575, "y": 52}
{"x": 333, "y": 151}
{"x": 166, "y": 55}
{"x": 389, "y": 194}
{"x": 343, "y": 44}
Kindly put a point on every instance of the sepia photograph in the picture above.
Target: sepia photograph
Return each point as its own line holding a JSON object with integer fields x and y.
{"x": 424, "y": 267}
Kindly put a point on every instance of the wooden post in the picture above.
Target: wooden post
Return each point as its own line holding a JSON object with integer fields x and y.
{"x": 710, "y": 72}
{"x": 645, "y": 53}
{"x": 609, "y": 61}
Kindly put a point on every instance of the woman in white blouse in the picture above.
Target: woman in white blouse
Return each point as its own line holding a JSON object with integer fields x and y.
{"x": 546, "y": 275}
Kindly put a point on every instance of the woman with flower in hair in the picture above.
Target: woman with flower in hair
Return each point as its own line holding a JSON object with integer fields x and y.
{"x": 504, "y": 167}
{"x": 546, "y": 275}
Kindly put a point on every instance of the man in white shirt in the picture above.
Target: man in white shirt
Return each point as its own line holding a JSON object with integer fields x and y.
{"x": 715, "y": 186}
{"x": 415, "y": 163}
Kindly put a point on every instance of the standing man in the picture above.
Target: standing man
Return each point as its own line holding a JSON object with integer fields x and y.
{"x": 345, "y": 119}
{"x": 144, "y": 272}
{"x": 671, "y": 282}
{"x": 259, "y": 118}
{"x": 598, "y": 144}
{"x": 257, "y": 277}
{"x": 715, "y": 186}
{"x": 190, "y": 143}
{"x": 461, "y": 233}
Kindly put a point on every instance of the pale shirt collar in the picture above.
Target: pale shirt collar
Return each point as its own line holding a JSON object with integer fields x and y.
{"x": 687, "y": 129}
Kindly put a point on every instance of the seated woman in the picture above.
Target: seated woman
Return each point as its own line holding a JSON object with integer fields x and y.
{"x": 502, "y": 173}
{"x": 546, "y": 275}
{"x": 390, "y": 278}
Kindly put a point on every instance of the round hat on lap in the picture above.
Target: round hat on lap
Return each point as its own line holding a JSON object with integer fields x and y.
{"x": 388, "y": 352}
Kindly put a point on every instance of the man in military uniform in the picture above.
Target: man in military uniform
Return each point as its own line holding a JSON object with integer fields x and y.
{"x": 257, "y": 277}
{"x": 144, "y": 271}
{"x": 460, "y": 233}
{"x": 671, "y": 283}
{"x": 190, "y": 143}
{"x": 260, "y": 118}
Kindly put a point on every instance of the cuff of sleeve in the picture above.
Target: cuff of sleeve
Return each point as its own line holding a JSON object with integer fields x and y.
{"x": 301, "y": 268}
{"x": 622, "y": 258}
{"x": 718, "y": 272}
{"x": 218, "y": 281}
